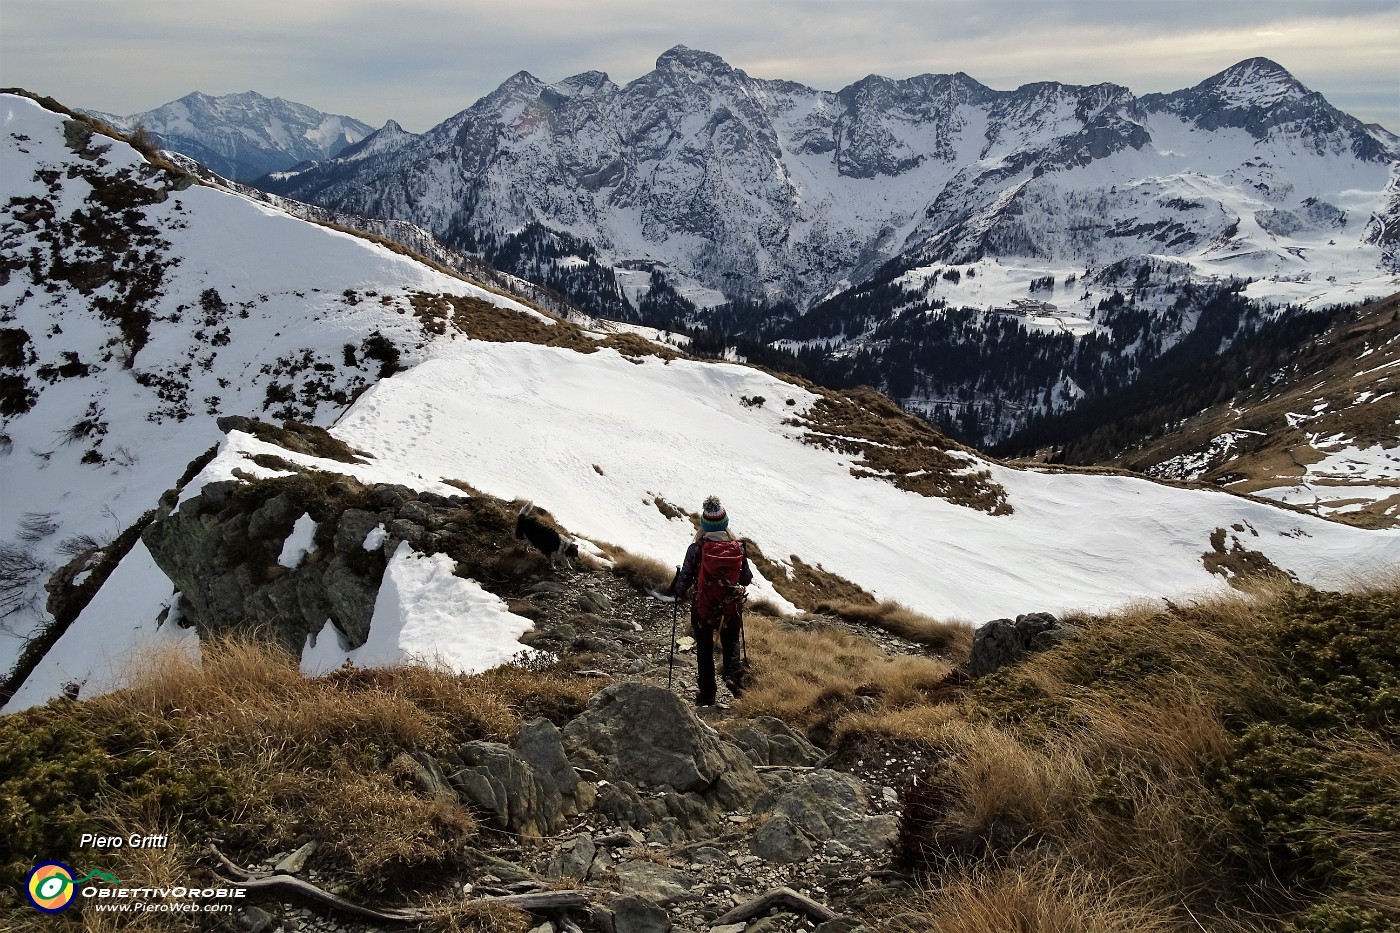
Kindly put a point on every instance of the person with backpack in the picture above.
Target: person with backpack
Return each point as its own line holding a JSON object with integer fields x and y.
{"x": 717, "y": 567}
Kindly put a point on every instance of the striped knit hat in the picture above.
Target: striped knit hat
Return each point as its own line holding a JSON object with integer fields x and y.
{"x": 713, "y": 517}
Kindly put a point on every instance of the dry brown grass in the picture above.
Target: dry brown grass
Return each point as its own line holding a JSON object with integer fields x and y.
{"x": 900, "y": 449}
{"x": 953, "y": 639}
{"x": 812, "y": 676}
{"x": 1033, "y": 898}
{"x": 482, "y": 320}
{"x": 312, "y": 756}
{"x": 647, "y": 574}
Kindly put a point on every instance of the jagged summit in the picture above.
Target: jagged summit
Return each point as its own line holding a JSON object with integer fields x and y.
{"x": 389, "y": 136}
{"x": 682, "y": 57}
{"x": 584, "y": 83}
{"x": 733, "y": 185}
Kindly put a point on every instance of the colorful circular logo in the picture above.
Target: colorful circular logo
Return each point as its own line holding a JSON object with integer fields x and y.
{"x": 50, "y": 887}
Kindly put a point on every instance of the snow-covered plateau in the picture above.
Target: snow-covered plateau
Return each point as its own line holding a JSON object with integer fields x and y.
{"x": 114, "y": 382}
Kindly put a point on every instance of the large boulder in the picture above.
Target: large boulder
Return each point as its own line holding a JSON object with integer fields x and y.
{"x": 541, "y": 746}
{"x": 1003, "y": 641}
{"x": 819, "y": 806}
{"x": 647, "y": 736}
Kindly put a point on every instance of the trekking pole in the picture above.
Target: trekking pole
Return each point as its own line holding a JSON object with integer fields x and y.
{"x": 675, "y": 619}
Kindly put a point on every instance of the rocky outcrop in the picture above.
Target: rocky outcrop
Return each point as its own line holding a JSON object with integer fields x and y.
{"x": 223, "y": 551}
{"x": 223, "y": 548}
{"x": 648, "y": 736}
{"x": 1003, "y": 641}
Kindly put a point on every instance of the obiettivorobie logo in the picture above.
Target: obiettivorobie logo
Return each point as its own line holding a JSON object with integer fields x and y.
{"x": 51, "y": 886}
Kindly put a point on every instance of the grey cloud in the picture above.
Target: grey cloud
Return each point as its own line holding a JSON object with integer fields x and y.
{"x": 419, "y": 61}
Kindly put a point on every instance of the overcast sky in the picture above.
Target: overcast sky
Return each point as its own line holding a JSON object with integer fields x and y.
{"x": 420, "y": 61}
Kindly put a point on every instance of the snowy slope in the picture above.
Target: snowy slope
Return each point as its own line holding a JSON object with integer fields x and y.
{"x": 596, "y": 438}
{"x": 251, "y": 313}
{"x": 677, "y": 430}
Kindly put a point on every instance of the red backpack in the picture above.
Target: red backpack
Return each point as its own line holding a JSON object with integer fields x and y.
{"x": 718, "y": 592}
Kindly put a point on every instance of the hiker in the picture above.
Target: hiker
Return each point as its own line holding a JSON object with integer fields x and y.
{"x": 717, "y": 566}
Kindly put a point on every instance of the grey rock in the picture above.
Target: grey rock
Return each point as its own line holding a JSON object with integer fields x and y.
{"x": 657, "y": 883}
{"x": 780, "y": 842}
{"x": 404, "y": 530}
{"x": 294, "y": 863}
{"x": 594, "y": 602}
{"x": 431, "y": 780}
{"x": 390, "y": 496}
{"x": 352, "y": 529}
{"x": 648, "y": 735}
{"x": 873, "y": 835}
{"x": 252, "y": 919}
{"x": 544, "y": 587}
{"x": 709, "y": 855}
{"x": 1002, "y": 641}
{"x": 768, "y": 925}
{"x": 839, "y": 925}
{"x": 753, "y": 742}
{"x": 499, "y": 781}
{"x": 541, "y": 746}
{"x": 273, "y": 519}
{"x": 577, "y": 857}
{"x": 633, "y": 914}
{"x": 619, "y": 801}
{"x": 822, "y": 803}
{"x": 351, "y": 598}
{"x": 597, "y": 644}
{"x": 689, "y": 810}
{"x": 738, "y": 785}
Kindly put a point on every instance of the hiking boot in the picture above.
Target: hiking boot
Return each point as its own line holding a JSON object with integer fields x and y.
{"x": 735, "y": 683}
{"x": 702, "y": 699}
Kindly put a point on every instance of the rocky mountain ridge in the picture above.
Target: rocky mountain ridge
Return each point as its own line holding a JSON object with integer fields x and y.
{"x": 244, "y": 136}
{"x": 737, "y": 186}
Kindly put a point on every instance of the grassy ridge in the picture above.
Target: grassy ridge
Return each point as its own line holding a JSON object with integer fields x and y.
{"x": 1229, "y": 765}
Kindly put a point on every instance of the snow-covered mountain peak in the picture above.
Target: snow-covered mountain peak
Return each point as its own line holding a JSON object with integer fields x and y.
{"x": 1254, "y": 82}
{"x": 387, "y": 138}
{"x": 582, "y": 85}
{"x": 692, "y": 62}
{"x": 245, "y": 135}
{"x": 734, "y": 186}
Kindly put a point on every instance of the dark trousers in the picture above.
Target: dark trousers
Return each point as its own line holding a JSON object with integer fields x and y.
{"x": 704, "y": 631}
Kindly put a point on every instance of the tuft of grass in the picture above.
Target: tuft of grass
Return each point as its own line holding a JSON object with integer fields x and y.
{"x": 1235, "y": 759}
{"x": 953, "y": 639}
{"x": 818, "y": 676}
{"x": 1035, "y": 898}
{"x": 647, "y": 574}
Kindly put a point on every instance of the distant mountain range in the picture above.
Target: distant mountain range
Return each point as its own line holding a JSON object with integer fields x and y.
{"x": 244, "y": 136}
{"x": 734, "y": 186}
